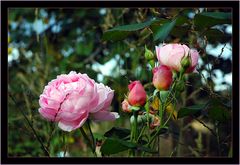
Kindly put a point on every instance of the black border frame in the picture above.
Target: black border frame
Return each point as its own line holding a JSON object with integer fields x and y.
{"x": 234, "y": 5}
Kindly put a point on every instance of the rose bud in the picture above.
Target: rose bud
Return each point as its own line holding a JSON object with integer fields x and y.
{"x": 171, "y": 55}
{"x": 148, "y": 54}
{"x": 186, "y": 62}
{"x": 140, "y": 119}
{"x": 126, "y": 107}
{"x": 162, "y": 77}
{"x": 137, "y": 95}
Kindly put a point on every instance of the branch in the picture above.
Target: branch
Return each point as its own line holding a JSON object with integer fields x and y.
{"x": 211, "y": 130}
{"x": 34, "y": 131}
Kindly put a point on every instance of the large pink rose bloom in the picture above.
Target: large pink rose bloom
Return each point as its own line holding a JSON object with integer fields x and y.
{"x": 69, "y": 99}
{"x": 172, "y": 54}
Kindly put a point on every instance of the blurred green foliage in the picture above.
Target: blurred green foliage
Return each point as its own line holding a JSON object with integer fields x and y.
{"x": 44, "y": 43}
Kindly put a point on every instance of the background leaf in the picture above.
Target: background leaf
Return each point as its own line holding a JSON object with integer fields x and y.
{"x": 121, "y": 32}
{"x": 218, "y": 111}
{"x": 208, "y": 19}
{"x": 113, "y": 146}
{"x": 162, "y": 32}
{"x": 214, "y": 35}
{"x": 191, "y": 110}
{"x": 117, "y": 132}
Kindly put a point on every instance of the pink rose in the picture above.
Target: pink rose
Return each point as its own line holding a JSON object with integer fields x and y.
{"x": 69, "y": 99}
{"x": 137, "y": 95}
{"x": 172, "y": 54}
{"x": 102, "y": 112}
{"x": 162, "y": 77}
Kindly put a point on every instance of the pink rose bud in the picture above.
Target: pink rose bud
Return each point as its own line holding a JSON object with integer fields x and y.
{"x": 171, "y": 55}
{"x": 70, "y": 98}
{"x": 162, "y": 77}
{"x": 137, "y": 95}
{"x": 126, "y": 106}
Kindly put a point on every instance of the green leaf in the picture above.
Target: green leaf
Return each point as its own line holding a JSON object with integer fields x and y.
{"x": 180, "y": 31}
{"x": 208, "y": 19}
{"x": 117, "y": 132}
{"x": 218, "y": 111}
{"x": 191, "y": 110}
{"x": 98, "y": 136}
{"x": 214, "y": 35}
{"x": 115, "y": 35}
{"x": 181, "y": 20}
{"x": 162, "y": 32}
{"x": 113, "y": 146}
{"x": 121, "y": 32}
{"x": 133, "y": 27}
{"x": 217, "y": 15}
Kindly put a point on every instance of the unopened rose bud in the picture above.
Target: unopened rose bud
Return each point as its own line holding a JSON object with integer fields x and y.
{"x": 140, "y": 119}
{"x": 137, "y": 95}
{"x": 126, "y": 107}
{"x": 148, "y": 54}
{"x": 186, "y": 62}
{"x": 162, "y": 77}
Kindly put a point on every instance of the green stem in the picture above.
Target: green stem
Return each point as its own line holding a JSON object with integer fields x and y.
{"x": 135, "y": 131}
{"x": 143, "y": 129}
{"x": 135, "y": 114}
{"x": 65, "y": 144}
{"x": 51, "y": 135}
{"x": 90, "y": 130}
{"x": 130, "y": 152}
{"x": 162, "y": 108}
{"x": 168, "y": 118}
{"x": 179, "y": 147}
{"x": 88, "y": 140}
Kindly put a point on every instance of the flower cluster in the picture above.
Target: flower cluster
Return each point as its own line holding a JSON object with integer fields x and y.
{"x": 173, "y": 57}
{"x": 176, "y": 58}
{"x": 71, "y": 99}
